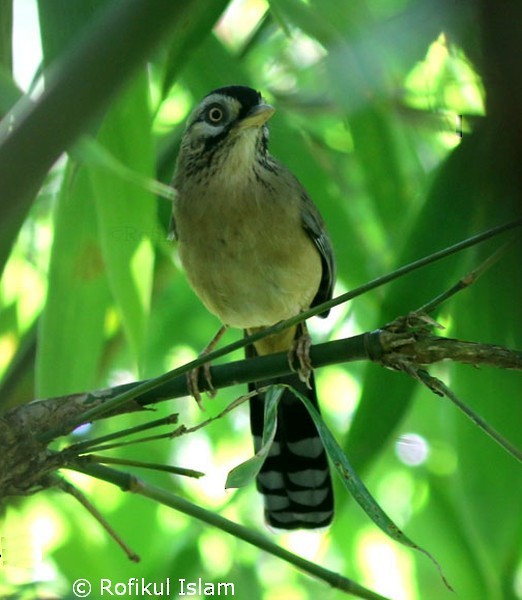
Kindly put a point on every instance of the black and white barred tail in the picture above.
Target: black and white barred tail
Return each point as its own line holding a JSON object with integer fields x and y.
{"x": 295, "y": 478}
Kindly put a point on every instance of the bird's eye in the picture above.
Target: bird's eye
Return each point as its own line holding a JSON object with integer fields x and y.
{"x": 215, "y": 114}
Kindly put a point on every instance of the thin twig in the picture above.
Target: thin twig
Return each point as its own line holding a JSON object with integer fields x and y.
{"x": 133, "y": 484}
{"x": 75, "y": 493}
{"x": 440, "y": 388}
{"x": 78, "y": 447}
{"x": 467, "y": 280}
{"x": 150, "y": 438}
{"x": 234, "y": 404}
{"x": 106, "y": 460}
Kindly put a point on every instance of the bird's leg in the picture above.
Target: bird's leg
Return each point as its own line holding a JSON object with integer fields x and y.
{"x": 301, "y": 350}
{"x": 193, "y": 376}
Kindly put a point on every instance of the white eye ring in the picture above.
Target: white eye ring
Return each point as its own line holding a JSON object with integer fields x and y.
{"x": 215, "y": 114}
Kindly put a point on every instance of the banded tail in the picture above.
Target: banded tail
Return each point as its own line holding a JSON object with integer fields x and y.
{"x": 295, "y": 478}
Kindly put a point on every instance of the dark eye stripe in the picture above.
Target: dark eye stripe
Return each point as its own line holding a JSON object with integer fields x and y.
{"x": 213, "y": 141}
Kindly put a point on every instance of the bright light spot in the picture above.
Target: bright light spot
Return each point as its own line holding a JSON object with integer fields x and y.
{"x": 395, "y": 493}
{"x": 173, "y": 110}
{"x": 412, "y": 449}
{"x": 386, "y": 569}
{"x": 337, "y": 317}
{"x": 280, "y": 77}
{"x": 305, "y": 51}
{"x": 445, "y": 319}
{"x": 45, "y": 571}
{"x": 18, "y": 553}
{"x": 343, "y": 315}
{"x": 339, "y": 393}
{"x": 120, "y": 377}
{"x": 216, "y": 552}
{"x": 112, "y": 321}
{"x": 239, "y": 21}
{"x": 305, "y": 543}
{"x": 27, "y": 51}
{"x": 445, "y": 82}
{"x": 8, "y": 345}
{"x": 240, "y": 421}
{"x": 278, "y": 581}
{"x": 178, "y": 356}
{"x": 198, "y": 453}
{"x": 81, "y": 481}
{"x": 23, "y": 283}
{"x": 81, "y": 430}
{"x": 348, "y": 327}
{"x": 140, "y": 262}
{"x": 230, "y": 451}
{"x": 338, "y": 137}
{"x": 46, "y": 531}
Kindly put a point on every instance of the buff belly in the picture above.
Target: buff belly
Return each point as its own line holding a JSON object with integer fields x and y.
{"x": 252, "y": 273}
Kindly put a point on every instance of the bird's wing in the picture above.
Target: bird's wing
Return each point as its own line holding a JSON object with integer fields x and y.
{"x": 313, "y": 224}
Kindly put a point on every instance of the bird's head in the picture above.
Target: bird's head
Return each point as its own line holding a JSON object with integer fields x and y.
{"x": 225, "y": 133}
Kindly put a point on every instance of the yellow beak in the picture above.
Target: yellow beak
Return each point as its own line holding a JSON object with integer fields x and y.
{"x": 258, "y": 116}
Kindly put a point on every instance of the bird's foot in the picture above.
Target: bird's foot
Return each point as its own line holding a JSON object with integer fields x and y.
{"x": 193, "y": 376}
{"x": 301, "y": 351}
{"x": 194, "y": 387}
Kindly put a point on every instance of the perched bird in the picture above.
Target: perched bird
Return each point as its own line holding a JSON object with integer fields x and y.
{"x": 256, "y": 251}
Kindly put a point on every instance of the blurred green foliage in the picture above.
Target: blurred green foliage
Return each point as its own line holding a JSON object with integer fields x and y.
{"x": 370, "y": 98}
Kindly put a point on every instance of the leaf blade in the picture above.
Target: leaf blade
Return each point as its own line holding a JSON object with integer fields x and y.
{"x": 246, "y": 472}
{"x": 358, "y": 490}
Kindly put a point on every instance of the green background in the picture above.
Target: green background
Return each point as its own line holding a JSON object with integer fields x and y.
{"x": 370, "y": 100}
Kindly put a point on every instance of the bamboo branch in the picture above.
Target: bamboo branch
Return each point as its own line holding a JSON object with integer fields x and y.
{"x": 25, "y": 456}
{"x": 96, "y": 410}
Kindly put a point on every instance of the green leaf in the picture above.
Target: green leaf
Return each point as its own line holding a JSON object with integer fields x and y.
{"x": 9, "y": 92}
{"x": 127, "y": 213}
{"x": 356, "y": 487}
{"x": 294, "y": 13}
{"x": 206, "y": 75}
{"x": 246, "y": 472}
{"x": 453, "y": 210}
{"x": 485, "y": 468}
{"x": 6, "y": 35}
{"x": 201, "y": 30}
{"x": 71, "y": 334}
{"x": 89, "y": 151}
{"x": 61, "y": 24}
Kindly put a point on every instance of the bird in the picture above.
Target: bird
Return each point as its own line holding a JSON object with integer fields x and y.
{"x": 255, "y": 250}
